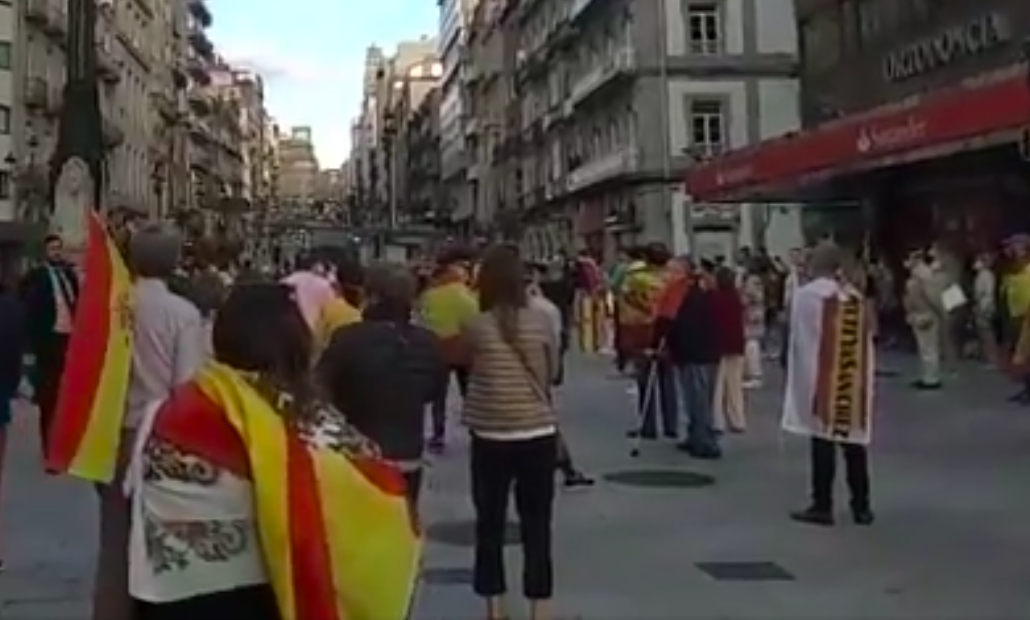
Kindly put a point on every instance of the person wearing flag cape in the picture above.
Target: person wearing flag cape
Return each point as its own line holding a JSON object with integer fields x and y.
{"x": 829, "y": 390}
{"x": 246, "y": 494}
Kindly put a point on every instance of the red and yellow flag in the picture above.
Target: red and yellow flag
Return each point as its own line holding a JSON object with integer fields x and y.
{"x": 84, "y": 436}
{"x": 336, "y": 532}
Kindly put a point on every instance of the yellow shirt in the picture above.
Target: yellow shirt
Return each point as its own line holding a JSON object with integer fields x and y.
{"x": 1017, "y": 292}
{"x": 337, "y": 313}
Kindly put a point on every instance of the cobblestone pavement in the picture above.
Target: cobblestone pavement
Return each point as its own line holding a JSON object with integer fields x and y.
{"x": 950, "y": 492}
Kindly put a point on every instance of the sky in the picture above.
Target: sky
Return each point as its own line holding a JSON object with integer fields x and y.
{"x": 311, "y": 54}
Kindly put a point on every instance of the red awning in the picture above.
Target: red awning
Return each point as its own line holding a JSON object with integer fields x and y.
{"x": 937, "y": 120}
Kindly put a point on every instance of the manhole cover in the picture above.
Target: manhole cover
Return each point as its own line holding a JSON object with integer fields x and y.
{"x": 463, "y": 533}
{"x": 447, "y": 576}
{"x": 745, "y": 571}
{"x": 661, "y": 479}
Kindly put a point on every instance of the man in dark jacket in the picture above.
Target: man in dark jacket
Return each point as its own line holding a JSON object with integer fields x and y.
{"x": 685, "y": 331}
{"x": 49, "y": 293}
{"x": 382, "y": 372}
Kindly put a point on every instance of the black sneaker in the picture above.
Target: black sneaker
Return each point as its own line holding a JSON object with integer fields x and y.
{"x": 814, "y": 516}
{"x": 578, "y": 480}
{"x": 863, "y": 517}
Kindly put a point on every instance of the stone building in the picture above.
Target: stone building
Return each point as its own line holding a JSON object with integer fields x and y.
{"x": 620, "y": 98}
{"x": 136, "y": 45}
{"x": 298, "y": 167}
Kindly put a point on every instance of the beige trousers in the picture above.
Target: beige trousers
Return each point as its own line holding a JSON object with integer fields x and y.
{"x": 111, "y": 600}
{"x": 728, "y": 408}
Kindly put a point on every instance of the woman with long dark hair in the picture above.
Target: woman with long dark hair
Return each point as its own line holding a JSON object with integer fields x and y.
{"x": 514, "y": 431}
{"x": 200, "y": 480}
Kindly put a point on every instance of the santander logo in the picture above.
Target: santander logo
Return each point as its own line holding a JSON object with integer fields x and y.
{"x": 889, "y": 137}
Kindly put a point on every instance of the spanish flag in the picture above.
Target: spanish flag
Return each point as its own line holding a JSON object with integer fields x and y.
{"x": 336, "y": 530}
{"x": 85, "y": 433}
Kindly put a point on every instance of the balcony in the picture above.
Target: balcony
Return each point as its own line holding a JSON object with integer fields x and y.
{"x": 623, "y": 62}
{"x": 37, "y": 94}
{"x": 616, "y": 163}
{"x": 200, "y": 103}
{"x": 202, "y": 45}
{"x": 198, "y": 9}
{"x": 57, "y": 23}
{"x": 198, "y": 70}
{"x": 165, "y": 106}
{"x": 37, "y": 12}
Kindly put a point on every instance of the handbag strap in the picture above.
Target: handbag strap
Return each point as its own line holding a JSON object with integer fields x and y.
{"x": 527, "y": 368}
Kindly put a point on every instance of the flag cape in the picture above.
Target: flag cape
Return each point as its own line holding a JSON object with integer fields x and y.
{"x": 829, "y": 392}
{"x": 337, "y": 534}
{"x": 84, "y": 437}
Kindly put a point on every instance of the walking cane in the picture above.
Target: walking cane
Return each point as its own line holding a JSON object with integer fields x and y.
{"x": 650, "y": 387}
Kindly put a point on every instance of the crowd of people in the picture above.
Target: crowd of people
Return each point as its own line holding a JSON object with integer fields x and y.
{"x": 359, "y": 358}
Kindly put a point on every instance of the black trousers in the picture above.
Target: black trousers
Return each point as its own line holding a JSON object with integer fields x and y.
{"x": 527, "y": 468}
{"x": 824, "y": 473}
{"x": 438, "y": 411}
{"x": 46, "y": 378}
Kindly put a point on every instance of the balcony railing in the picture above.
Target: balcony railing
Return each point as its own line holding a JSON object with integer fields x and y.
{"x": 618, "y": 162}
{"x": 37, "y": 12}
{"x": 623, "y": 61}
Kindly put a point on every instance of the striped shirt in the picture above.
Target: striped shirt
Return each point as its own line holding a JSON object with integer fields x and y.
{"x": 504, "y": 395}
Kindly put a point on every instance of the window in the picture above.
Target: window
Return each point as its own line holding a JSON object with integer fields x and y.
{"x": 6, "y": 60}
{"x": 703, "y": 27}
{"x": 5, "y": 185}
{"x": 707, "y": 126}
{"x": 5, "y": 120}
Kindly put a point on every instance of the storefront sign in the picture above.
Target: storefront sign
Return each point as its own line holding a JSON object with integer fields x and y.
{"x": 966, "y": 40}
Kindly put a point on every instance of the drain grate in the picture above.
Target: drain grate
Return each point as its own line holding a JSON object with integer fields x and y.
{"x": 463, "y": 533}
{"x": 661, "y": 479}
{"x": 455, "y": 576}
{"x": 745, "y": 571}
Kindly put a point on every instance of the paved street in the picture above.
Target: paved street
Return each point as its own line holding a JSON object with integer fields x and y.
{"x": 950, "y": 492}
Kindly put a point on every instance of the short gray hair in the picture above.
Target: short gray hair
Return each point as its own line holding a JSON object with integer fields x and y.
{"x": 826, "y": 258}
{"x": 391, "y": 283}
{"x": 154, "y": 251}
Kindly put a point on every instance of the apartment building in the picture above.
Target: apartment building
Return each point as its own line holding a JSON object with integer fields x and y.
{"x": 8, "y": 33}
{"x": 493, "y": 133}
{"x": 418, "y": 153}
{"x": 915, "y": 118}
{"x": 391, "y": 82}
{"x": 453, "y": 53}
{"x": 298, "y": 167}
{"x": 365, "y": 141}
{"x": 619, "y": 99}
{"x": 246, "y": 93}
{"x": 133, "y": 45}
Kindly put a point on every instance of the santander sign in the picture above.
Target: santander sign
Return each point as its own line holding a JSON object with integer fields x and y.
{"x": 884, "y": 138}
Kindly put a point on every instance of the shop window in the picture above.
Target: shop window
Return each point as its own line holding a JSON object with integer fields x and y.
{"x": 703, "y": 26}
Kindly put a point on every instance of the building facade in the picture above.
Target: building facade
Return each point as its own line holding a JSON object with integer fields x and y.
{"x": 457, "y": 195}
{"x": 419, "y": 152}
{"x": 298, "y": 167}
{"x": 915, "y": 111}
{"x": 620, "y": 98}
{"x": 8, "y": 36}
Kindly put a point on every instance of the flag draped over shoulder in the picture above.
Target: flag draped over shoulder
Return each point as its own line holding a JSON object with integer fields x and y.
{"x": 830, "y": 365}
{"x": 84, "y": 436}
{"x": 337, "y": 533}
